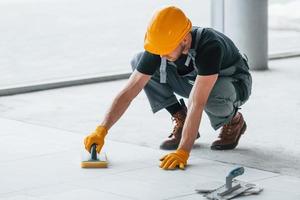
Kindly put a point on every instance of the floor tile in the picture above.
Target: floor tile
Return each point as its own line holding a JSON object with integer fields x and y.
{"x": 65, "y": 166}
{"x": 80, "y": 194}
{"x": 218, "y": 170}
{"x": 283, "y": 184}
{"x": 135, "y": 188}
{"x": 19, "y": 197}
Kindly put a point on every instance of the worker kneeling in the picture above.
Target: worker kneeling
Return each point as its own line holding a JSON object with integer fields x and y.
{"x": 198, "y": 63}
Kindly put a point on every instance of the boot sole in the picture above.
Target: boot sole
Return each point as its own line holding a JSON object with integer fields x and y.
{"x": 230, "y": 146}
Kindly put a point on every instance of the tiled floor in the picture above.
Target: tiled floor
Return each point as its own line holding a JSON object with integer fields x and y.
{"x": 271, "y": 142}
{"x": 41, "y": 145}
{"x": 44, "y": 163}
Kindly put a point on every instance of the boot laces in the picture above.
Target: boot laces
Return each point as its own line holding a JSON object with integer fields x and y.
{"x": 178, "y": 119}
{"x": 226, "y": 130}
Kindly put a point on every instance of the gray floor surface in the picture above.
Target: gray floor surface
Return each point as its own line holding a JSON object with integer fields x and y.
{"x": 42, "y": 134}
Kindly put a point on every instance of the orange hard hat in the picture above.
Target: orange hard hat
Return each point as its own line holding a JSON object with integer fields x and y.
{"x": 166, "y": 30}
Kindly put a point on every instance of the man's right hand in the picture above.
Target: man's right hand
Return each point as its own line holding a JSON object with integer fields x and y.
{"x": 96, "y": 137}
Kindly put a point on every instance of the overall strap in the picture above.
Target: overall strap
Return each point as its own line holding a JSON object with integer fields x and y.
{"x": 162, "y": 70}
{"x": 192, "y": 52}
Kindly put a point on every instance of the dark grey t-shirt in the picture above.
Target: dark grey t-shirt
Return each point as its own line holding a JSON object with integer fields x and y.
{"x": 215, "y": 51}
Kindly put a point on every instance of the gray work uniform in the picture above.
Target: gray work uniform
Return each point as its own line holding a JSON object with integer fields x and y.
{"x": 223, "y": 100}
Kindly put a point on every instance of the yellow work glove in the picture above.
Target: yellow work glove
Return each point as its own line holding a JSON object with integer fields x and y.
{"x": 96, "y": 137}
{"x": 176, "y": 159}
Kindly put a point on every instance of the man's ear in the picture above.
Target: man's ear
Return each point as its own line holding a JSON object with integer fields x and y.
{"x": 186, "y": 38}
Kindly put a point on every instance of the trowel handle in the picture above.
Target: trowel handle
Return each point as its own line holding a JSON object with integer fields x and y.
{"x": 236, "y": 172}
{"x": 94, "y": 152}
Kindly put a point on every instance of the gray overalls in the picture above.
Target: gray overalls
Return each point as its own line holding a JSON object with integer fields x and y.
{"x": 223, "y": 100}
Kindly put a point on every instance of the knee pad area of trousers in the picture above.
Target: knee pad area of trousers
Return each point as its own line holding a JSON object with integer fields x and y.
{"x": 219, "y": 106}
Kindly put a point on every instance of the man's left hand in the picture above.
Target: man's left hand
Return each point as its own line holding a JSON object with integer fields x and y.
{"x": 173, "y": 160}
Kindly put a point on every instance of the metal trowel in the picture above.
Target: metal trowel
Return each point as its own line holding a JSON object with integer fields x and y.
{"x": 231, "y": 189}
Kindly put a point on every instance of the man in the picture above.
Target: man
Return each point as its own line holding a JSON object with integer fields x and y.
{"x": 199, "y": 63}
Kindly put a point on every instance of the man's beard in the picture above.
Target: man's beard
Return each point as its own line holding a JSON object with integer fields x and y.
{"x": 181, "y": 50}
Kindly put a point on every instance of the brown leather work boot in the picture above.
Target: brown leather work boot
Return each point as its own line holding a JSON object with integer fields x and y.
{"x": 230, "y": 134}
{"x": 174, "y": 139}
